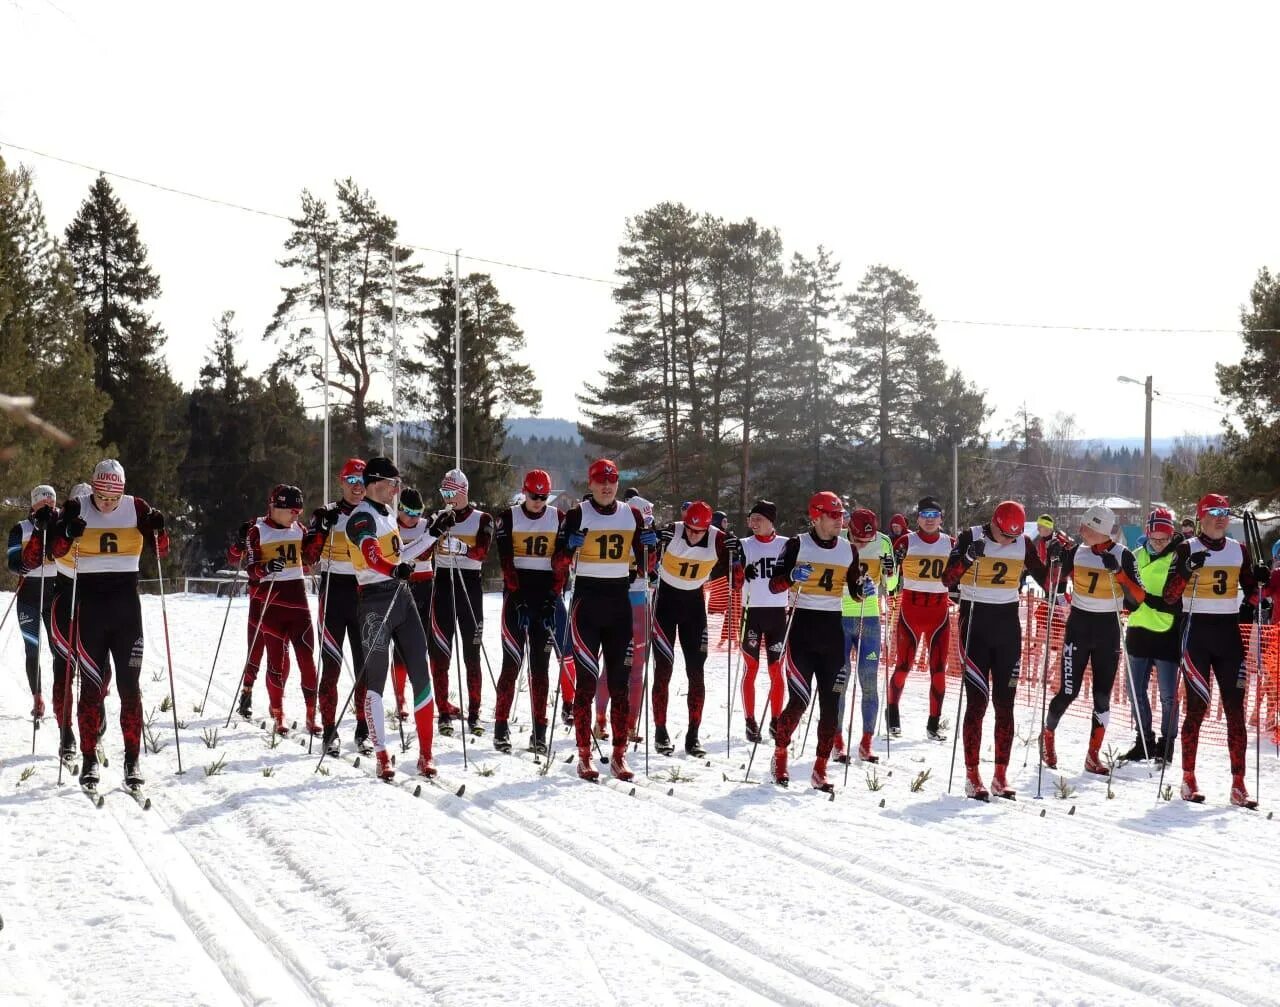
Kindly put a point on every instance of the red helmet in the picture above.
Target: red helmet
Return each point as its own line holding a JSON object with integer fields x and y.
{"x": 825, "y": 502}
{"x": 698, "y": 515}
{"x": 862, "y": 523}
{"x": 537, "y": 482}
{"x": 602, "y": 470}
{"x": 1161, "y": 519}
{"x": 1210, "y": 500}
{"x": 352, "y": 467}
{"x": 1009, "y": 518}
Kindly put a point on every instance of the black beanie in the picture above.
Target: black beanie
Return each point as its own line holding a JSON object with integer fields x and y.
{"x": 410, "y": 499}
{"x": 380, "y": 468}
{"x": 928, "y": 503}
{"x": 767, "y": 509}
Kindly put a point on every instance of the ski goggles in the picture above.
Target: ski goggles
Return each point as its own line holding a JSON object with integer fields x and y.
{"x": 932, "y": 512}
{"x": 535, "y": 496}
{"x": 357, "y": 480}
{"x": 411, "y": 511}
{"x": 1218, "y": 512}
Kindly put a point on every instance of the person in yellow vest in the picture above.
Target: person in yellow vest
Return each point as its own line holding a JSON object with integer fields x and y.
{"x": 1104, "y": 580}
{"x": 277, "y": 549}
{"x": 1151, "y": 641}
{"x": 106, "y": 533}
{"x": 387, "y": 613}
{"x": 339, "y": 600}
{"x": 987, "y": 564}
{"x": 256, "y": 647}
{"x": 691, "y": 549}
{"x": 824, "y": 566}
{"x": 602, "y": 536}
{"x": 1211, "y": 574}
{"x": 861, "y": 623}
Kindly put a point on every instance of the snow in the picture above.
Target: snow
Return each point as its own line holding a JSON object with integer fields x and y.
{"x": 299, "y": 888}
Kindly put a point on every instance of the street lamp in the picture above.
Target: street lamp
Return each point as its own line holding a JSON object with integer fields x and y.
{"x": 1146, "y": 443}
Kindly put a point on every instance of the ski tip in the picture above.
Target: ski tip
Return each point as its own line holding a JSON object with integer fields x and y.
{"x": 1042, "y": 811}
{"x": 1269, "y": 814}
{"x": 1072, "y": 811}
{"x": 832, "y": 796}
{"x": 417, "y": 790}
{"x": 460, "y": 791}
{"x": 356, "y": 762}
{"x": 881, "y": 800}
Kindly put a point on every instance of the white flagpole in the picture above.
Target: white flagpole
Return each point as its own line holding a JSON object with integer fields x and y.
{"x": 457, "y": 357}
{"x": 395, "y": 366}
{"x": 327, "y": 336}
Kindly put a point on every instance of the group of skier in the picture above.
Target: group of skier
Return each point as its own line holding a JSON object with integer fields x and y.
{"x": 399, "y": 585}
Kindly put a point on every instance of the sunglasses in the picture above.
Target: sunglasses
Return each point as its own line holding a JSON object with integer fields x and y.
{"x": 411, "y": 511}
{"x": 535, "y": 496}
{"x": 353, "y": 480}
{"x": 1218, "y": 512}
{"x": 930, "y": 513}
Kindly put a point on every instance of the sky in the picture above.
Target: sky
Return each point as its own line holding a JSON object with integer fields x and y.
{"x": 1093, "y": 165}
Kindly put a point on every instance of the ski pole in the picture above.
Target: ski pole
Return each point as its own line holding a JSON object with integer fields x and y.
{"x": 729, "y": 676}
{"x": 377, "y": 639}
{"x": 853, "y": 678}
{"x": 324, "y": 613}
{"x": 1182, "y": 662}
{"x": 262, "y": 616}
{"x": 737, "y": 675}
{"x": 1253, "y": 539}
{"x": 786, "y": 636}
{"x": 555, "y": 703}
{"x": 457, "y": 647}
{"x": 35, "y": 721}
{"x": 651, "y": 606}
{"x": 164, "y": 615}
{"x": 73, "y": 658}
{"x": 225, "y": 615}
{"x": 466, "y": 594}
{"x": 964, "y": 670}
{"x": 1044, "y": 673}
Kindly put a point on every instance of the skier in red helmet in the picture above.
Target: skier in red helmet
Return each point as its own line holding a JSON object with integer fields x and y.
{"x": 987, "y": 564}
{"x": 1208, "y": 574}
{"x": 691, "y": 549}
{"x": 823, "y": 565}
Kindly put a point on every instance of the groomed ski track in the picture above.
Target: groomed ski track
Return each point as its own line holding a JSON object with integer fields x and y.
{"x": 304, "y": 888}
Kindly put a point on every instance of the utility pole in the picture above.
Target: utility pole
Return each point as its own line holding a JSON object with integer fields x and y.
{"x": 1146, "y": 441}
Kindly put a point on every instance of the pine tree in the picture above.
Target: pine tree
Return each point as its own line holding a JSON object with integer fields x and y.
{"x": 361, "y": 247}
{"x": 113, "y": 284}
{"x": 493, "y": 381}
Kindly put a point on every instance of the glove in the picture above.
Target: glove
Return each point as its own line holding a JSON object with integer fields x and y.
{"x": 867, "y": 587}
{"x": 325, "y": 518}
{"x": 648, "y": 538}
{"x": 1053, "y": 552}
{"x": 733, "y": 546}
{"x": 578, "y": 539}
{"x": 1194, "y": 562}
{"x": 547, "y": 614}
{"x": 522, "y": 615}
{"x": 1109, "y": 561}
{"x": 403, "y": 571}
{"x": 153, "y": 521}
{"x": 42, "y": 517}
{"x": 1262, "y": 573}
{"x": 749, "y": 572}
{"x": 455, "y": 546}
{"x": 442, "y": 522}
{"x": 275, "y": 565}
{"x": 842, "y": 681}
{"x": 975, "y": 551}
{"x": 801, "y": 572}
{"x": 242, "y": 537}
{"x": 666, "y": 534}
{"x": 75, "y": 527}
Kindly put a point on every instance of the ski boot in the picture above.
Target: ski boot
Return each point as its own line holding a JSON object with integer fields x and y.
{"x": 363, "y": 744}
{"x": 753, "y": 731}
{"x": 1190, "y": 790}
{"x": 386, "y": 771}
{"x": 999, "y": 787}
{"x": 37, "y": 706}
{"x": 444, "y": 726}
{"x": 892, "y": 720}
{"x": 973, "y": 785}
{"x": 313, "y": 728}
{"x": 501, "y": 736}
{"x": 133, "y": 778}
{"x": 818, "y": 779}
{"x": 933, "y": 731}
{"x": 864, "y": 749}
{"x": 89, "y": 770}
{"x": 426, "y": 767}
{"x": 1048, "y": 749}
{"x": 586, "y": 766}
{"x": 279, "y": 726}
{"x": 618, "y": 764}
{"x": 566, "y": 715}
{"x": 475, "y": 727}
{"x": 330, "y": 742}
{"x": 1163, "y": 752}
{"x": 245, "y": 707}
{"x": 837, "y": 748}
{"x": 601, "y": 731}
{"x": 662, "y": 740}
{"x": 692, "y": 746}
{"x": 1240, "y": 794}
{"x": 538, "y": 739}
{"x": 1094, "y": 764}
{"x": 1142, "y": 749}
{"x": 778, "y": 766}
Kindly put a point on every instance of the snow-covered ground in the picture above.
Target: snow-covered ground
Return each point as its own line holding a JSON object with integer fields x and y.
{"x": 297, "y": 887}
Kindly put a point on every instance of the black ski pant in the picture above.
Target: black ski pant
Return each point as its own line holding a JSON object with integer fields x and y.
{"x": 421, "y": 590}
{"x": 600, "y": 630}
{"x": 61, "y": 633}
{"x": 457, "y": 600}
{"x": 35, "y": 604}
{"x": 339, "y": 603}
{"x": 991, "y": 647}
{"x": 1213, "y": 646}
{"x": 109, "y": 628}
{"x": 679, "y": 611}
{"x": 1091, "y": 638}
{"x": 815, "y": 654}
{"x": 521, "y": 625}
{"x": 388, "y": 615}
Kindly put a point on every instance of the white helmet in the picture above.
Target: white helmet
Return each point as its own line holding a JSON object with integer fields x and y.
{"x": 79, "y": 490}
{"x": 108, "y": 476}
{"x": 43, "y": 492}
{"x": 1100, "y": 519}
